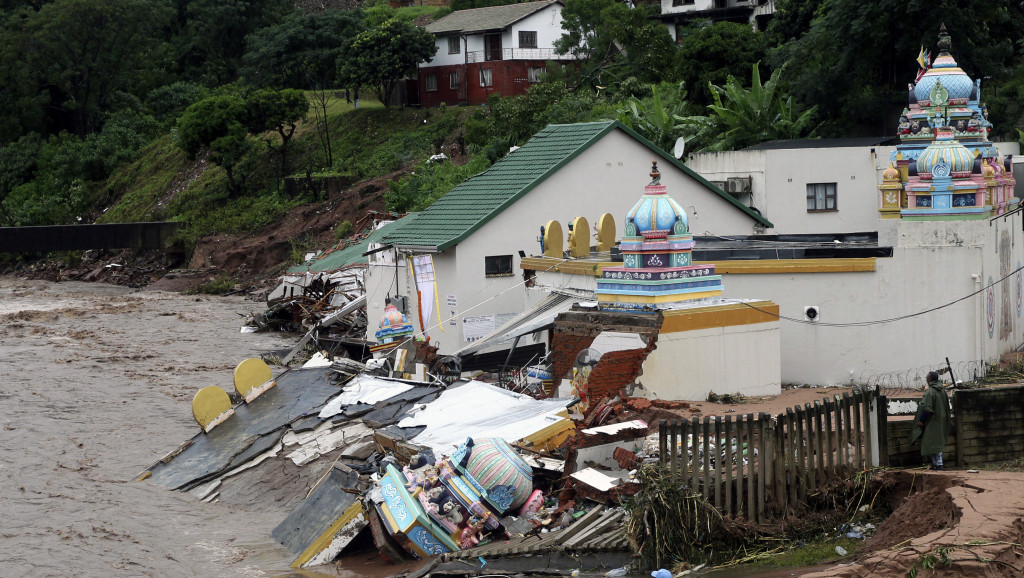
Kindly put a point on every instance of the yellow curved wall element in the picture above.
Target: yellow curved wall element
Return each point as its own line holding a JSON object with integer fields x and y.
{"x": 605, "y": 233}
{"x": 210, "y": 406}
{"x": 579, "y": 238}
{"x": 554, "y": 241}
{"x": 253, "y": 377}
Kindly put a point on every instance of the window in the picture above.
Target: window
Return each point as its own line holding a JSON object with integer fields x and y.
{"x": 527, "y": 39}
{"x": 498, "y": 266}
{"x": 453, "y": 80}
{"x": 534, "y": 73}
{"x": 431, "y": 82}
{"x": 454, "y": 45}
{"x": 485, "y": 77}
{"x": 821, "y": 197}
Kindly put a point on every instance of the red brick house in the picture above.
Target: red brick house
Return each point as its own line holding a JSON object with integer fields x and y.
{"x": 482, "y": 51}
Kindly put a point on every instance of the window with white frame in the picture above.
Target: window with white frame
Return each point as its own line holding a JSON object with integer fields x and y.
{"x": 485, "y": 77}
{"x": 821, "y": 197}
{"x": 453, "y": 80}
{"x": 498, "y": 266}
{"x": 527, "y": 39}
{"x": 534, "y": 73}
{"x": 431, "y": 82}
{"x": 454, "y": 45}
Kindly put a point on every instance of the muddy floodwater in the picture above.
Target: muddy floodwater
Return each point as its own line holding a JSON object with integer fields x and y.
{"x": 97, "y": 384}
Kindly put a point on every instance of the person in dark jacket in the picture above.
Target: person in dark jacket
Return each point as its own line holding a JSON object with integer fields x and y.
{"x": 932, "y": 423}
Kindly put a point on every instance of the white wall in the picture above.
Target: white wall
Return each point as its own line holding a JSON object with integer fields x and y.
{"x": 608, "y": 177}
{"x": 738, "y": 359}
{"x": 668, "y": 8}
{"x": 932, "y": 265}
{"x": 546, "y": 23}
{"x": 442, "y": 58}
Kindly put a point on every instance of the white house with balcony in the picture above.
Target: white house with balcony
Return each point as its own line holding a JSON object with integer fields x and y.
{"x": 483, "y": 51}
{"x": 679, "y": 13}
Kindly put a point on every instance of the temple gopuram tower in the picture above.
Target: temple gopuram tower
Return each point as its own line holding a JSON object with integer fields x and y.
{"x": 657, "y": 265}
{"x": 947, "y": 168}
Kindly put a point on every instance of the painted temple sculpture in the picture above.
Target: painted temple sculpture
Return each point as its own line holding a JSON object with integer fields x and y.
{"x": 431, "y": 508}
{"x": 945, "y": 167}
{"x": 394, "y": 328}
{"x": 657, "y": 251}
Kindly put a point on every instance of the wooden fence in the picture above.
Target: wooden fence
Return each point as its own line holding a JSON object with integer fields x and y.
{"x": 757, "y": 466}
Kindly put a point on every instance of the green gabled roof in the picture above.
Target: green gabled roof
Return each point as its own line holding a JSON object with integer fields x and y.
{"x": 352, "y": 254}
{"x": 467, "y": 207}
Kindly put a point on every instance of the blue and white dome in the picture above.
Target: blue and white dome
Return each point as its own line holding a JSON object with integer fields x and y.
{"x": 656, "y": 215}
{"x": 946, "y": 156}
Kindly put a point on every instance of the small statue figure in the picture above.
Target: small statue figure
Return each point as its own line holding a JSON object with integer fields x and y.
{"x": 904, "y": 127}
{"x": 470, "y": 535}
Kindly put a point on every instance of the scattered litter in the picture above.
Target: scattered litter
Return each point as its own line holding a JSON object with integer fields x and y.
{"x": 661, "y": 573}
{"x": 841, "y": 551}
{"x": 617, "y": 572}
{"x": 248, "y": 329}
{"x": 972, "y": 471}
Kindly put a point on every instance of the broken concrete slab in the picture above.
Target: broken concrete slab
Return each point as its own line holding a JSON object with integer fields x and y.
{"x": 209, "y": 454}
{"x": 325, "y": 522}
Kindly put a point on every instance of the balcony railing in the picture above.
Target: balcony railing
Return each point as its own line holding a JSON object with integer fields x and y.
{"x": 516, "y": 54}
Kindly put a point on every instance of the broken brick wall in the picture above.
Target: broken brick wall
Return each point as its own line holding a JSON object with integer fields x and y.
{"x": 576, "y": 330}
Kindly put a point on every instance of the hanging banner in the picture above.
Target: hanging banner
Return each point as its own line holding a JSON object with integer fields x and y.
{"x": 423, "y": 269}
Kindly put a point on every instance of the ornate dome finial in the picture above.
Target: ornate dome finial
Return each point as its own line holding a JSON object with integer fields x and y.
{"x": 944, "y": 43}
{"x": 655, "y": 175}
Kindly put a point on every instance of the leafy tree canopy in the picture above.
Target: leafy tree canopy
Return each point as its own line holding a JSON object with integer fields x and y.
{"x": 613, "y": 42}
{"x": 380, "y": 57}
{"x": 709, "y": 54}
{"x": 301, "y": 51}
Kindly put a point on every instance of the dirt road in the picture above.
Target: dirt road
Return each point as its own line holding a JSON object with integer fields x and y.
{"x": 97, "y": 383}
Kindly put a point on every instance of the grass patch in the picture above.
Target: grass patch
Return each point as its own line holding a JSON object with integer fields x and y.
{"x": 139, "y": 185}
{"x": 808, "y": 554}
{"x": 219, "y": 285}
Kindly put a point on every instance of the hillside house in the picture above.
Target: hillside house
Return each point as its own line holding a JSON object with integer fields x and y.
{"x": 456, "y": 264}
{"x": 676, "y": 14}
{"x": 496, "y": 50}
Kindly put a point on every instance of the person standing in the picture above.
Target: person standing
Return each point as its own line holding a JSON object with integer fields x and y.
{"x": 932, "y": 422}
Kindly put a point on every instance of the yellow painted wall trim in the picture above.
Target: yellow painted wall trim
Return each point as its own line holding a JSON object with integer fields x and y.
{"x": 729, "y": 315}
{"x": 656, "y": 299}
{"x": 327, "y": 537}
{"x": 750, "y": 267}
{"x": 792, "y": 266}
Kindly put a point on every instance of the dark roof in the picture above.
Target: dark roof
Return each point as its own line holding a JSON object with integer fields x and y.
{"x": 825, "y": 143}
{"x": 483, "y": 19}
{"x": 467, "y": 207}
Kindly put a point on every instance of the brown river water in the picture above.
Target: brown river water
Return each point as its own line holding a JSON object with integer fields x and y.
{"x": 96, "y": 384}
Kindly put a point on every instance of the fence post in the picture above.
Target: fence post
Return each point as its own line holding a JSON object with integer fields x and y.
{"x": 812, "y": 482}
{"x": 751, "y": 497}
{"x": 728, "y": 466}
{"x": 848, "y": 434}
{"x": 764, "y": 451}
{"x": 883, "y": 430}
{"x": 684, "y": 442}
{"x": 799, "y": 472}
{"x": 663, "y": 443}
{"x": 819, "y": 435}
{"x": 695, "y": 457}
{"x": 781, "y": 462}
{"x": 858, "y": 433}
{"x": 719, "y": 459}
{"x": 706, "y": 492}
{"x": 869, "y": 438}
{"x": 830, "y": 439}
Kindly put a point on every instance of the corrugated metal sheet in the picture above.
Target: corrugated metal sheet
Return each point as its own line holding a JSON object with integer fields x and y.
{"x": 528, "y": 321}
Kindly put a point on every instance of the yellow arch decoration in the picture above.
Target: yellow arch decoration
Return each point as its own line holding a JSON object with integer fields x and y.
{"x": 579, "y": 238}
{"x": 554, "y": 241}
{"x": 252, "y": 378}
{"x": 211, "y": 406}
{"x": 605, "y": 233}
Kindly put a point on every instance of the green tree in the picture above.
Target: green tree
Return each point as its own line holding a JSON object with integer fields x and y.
{"x": 301, "y": 51}
{"x": 742, "y": 117}
{"x": 211, "y": 35}
{"x": 709, "y": 54}
{"x": 613, "y": 42}
{"x": 217, "y": 123}
{"x": 82, "y": 53}
{"x": 380, "y": 57}
{"x": 856, "y": 59}
{"x": 279, "y": 111}
{"x": 659, "y": 118}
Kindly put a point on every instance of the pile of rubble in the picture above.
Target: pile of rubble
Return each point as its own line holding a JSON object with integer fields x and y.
{"x": 426, "y": 468}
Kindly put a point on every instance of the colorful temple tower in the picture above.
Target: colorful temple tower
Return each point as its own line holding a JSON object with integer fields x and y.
{"x": 395, "y": 327}
{"x": 945, "y": 167}
{"x": 657, "y": 266}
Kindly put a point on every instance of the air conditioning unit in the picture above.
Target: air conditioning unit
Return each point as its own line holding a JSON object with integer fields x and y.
{"x": 738, "y": 185}
{"x": 719, "y": 184}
